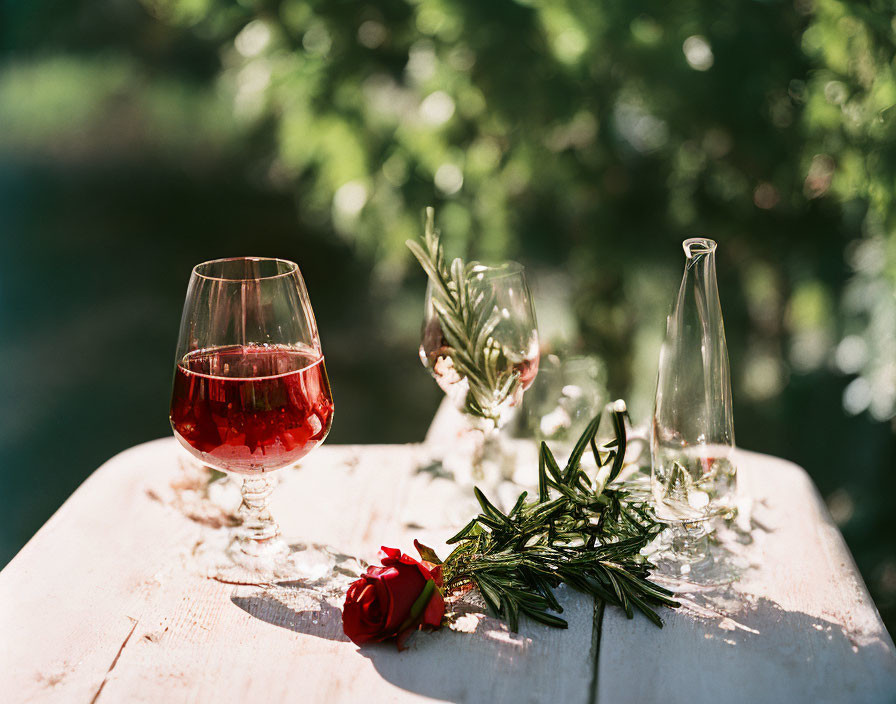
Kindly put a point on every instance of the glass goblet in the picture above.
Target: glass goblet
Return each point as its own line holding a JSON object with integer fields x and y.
{"x": 487, "y": 398}
{"x": 567, "y": 394}
{"x": 250, "y": 394}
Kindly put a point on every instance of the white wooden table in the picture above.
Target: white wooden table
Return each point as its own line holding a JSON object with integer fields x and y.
{"x": 105, "y": 604}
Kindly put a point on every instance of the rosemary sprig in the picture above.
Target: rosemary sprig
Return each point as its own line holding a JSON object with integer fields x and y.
{"x": 467, "y": 316}
{"x": 579, "y": 531}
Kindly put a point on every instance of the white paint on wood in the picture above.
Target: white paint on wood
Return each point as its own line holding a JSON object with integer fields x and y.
{"x": 798, "y": 626}
{"x": 104, "y": 604}
{"x": 126, "y": 561}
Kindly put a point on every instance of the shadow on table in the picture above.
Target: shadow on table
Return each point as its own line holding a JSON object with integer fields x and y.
{"x": 758, "y": 653}
{"x": 758, "y": 650}
{"x": 475, "y": 665}
{"x": 311, "y": 606}
{"x": 291, "y": 606}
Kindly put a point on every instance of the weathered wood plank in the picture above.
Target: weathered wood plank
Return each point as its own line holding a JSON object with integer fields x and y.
{"x": 187, "y": 638}
{"x": 71, "y": 597}
{"x": 106, "y": 604}
{"x": 798, "y": 626}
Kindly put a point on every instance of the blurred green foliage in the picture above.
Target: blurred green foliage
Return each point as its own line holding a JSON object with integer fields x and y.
{"x": 579, "y": 132}
{"x": 585, "y": 138}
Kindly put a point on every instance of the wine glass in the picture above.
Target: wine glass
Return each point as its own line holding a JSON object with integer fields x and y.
{"x": 487, "y": 398}
{"x": 565, "y": 397}
{"x": 250, "y": 394}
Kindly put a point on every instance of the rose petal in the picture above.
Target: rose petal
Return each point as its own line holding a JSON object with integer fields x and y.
{"x": 375, "y": 571}
{"x": 354, "y": 623}
{"x": 436, "y": 572}
{"x": 435, "y": 610}
{"x": 384, "y": 602}
{"x": 404, "y": 585}
{"x": 371, "y": 610}
{"x": 388, "y": 556}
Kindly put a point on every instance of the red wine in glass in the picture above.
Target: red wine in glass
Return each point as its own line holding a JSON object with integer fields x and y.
{"x": 251, "y": 408}
{"x": 527, "y": 370}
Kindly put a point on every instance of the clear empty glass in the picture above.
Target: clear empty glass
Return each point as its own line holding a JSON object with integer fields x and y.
{"x": 565, "y": 397}
{"x": 500, "y": 294}
{"x": 693, "y": 476}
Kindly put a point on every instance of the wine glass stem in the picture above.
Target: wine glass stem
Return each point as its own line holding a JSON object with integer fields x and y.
{"x": 488, "y": 450}
{"x": 258, "y": 526}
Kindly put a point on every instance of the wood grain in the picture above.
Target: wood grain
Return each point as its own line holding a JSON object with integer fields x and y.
{"x": 104, "y": 601}
{"x": 106, "y": 604}
{"x": 797, "y": 626}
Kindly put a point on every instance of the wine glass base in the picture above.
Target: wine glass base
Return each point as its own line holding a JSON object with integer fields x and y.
{"x": 314, "y": 567}
{"x": 268, "y": 562}
{"x": 477, "y": 458}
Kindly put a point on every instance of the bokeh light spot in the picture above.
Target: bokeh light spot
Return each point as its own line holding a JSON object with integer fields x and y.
{"x": 449, "y": 178}
{"x": 372, "y": 34}
{"x": 766, "y": 196}
{"x": 437, "y": 108}
{"x": 698, "y": 53}
{"x": 252, "y": 39}
{"x": 350, "y": 198}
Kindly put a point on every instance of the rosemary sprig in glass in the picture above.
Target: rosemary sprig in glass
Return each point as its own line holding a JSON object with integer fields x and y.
{"x": 467, "y": 316}
{"x": 581, "y": 532}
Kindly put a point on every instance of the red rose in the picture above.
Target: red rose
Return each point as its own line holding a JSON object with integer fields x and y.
{"x": 393, "y": 600}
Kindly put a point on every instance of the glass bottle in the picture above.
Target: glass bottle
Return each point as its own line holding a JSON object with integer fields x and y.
{"x": 693, "y": 475}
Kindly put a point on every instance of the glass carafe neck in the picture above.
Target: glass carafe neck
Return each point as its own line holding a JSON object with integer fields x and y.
{"x": 699, "y": 252}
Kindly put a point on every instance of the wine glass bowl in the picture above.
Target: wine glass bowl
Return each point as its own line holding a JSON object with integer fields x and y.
{"x": 250, "y": 393}
{"x": 692, "y": 435}
{"x": 511, "y": 344}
